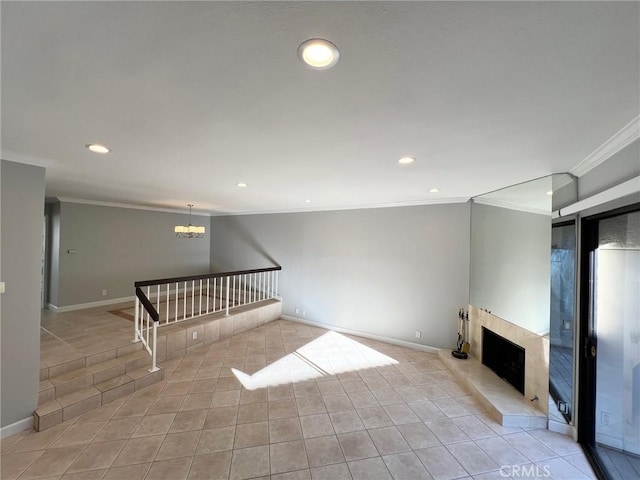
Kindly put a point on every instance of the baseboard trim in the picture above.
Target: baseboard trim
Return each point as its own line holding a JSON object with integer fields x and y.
{"x": 562, "y": 428}
{"x": 82, "y": 306}
{"x": 381, "y": 338}
{"x": 20, "y": 425}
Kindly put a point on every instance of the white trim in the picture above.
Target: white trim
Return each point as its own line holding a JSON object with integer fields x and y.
{"x": 559, "y": 180}
{"x": 561, "y": 428}
{"x": 19, "y": 426}
{"x": 333, "y": 208}
{"x": 82, "y": 306}
{"x": 626, "y": 135}
{"x": 267, "y": 212}
{"x": 126, "y": 205}
{"x": 511, "y": 206}
{"x": 381, "y": 338}
{"x": 621, "y": 190}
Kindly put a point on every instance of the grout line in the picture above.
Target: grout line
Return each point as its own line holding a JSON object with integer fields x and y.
{"x": 55, "y": 336}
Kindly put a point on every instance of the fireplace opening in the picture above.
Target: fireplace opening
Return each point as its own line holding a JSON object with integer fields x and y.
{"x": 503, "y": 357}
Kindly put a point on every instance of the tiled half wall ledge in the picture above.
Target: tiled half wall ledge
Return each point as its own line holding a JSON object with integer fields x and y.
{"x": 503, "y": 401}
{"x": 177, "y": 339}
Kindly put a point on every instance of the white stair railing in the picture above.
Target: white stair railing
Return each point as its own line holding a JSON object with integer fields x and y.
{"x": 172, "y": 300}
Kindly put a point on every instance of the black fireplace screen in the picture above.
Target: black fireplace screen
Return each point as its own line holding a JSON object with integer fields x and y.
{"x": 503, "y": 357}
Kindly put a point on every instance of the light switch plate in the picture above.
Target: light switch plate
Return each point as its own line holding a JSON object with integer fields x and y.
{"x": 2, "y": 287}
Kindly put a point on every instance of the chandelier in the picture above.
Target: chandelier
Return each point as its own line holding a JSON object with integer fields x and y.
{"x": 190, "y": 231}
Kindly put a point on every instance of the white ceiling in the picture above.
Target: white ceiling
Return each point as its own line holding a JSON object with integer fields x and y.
{"x": 195, "y": 97}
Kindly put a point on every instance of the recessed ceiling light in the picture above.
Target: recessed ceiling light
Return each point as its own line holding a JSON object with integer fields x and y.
{"x": 550, "y": 192}
{"x": 97, "y": 148}
{"x": 318, "y": 53}
{"x": 242, "y": 184}
{"x": 434, "y": 190}
{"x": 307, "y": 201}
{"x": 406, "y": 160}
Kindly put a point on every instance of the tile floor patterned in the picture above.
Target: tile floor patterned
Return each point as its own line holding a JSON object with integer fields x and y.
{"x": 407, "y": 420}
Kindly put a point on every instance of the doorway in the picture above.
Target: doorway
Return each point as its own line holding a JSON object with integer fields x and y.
{"x": 610, "y": 373}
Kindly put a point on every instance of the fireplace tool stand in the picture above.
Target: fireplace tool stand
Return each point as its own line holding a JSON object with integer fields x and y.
{"x": 463, "y": 346}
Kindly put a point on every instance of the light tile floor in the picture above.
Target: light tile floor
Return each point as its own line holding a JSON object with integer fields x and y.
{"x": 405, "y": 420}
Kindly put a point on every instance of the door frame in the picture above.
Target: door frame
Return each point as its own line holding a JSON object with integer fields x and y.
{"x": 587, "y": 338}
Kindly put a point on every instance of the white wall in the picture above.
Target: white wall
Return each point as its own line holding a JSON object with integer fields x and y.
{"x": 115, "y": 247}
{"x": 388, "y": 271}
{"x": 21, "y": 221}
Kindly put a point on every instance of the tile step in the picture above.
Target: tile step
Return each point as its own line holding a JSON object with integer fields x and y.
{"x": 81, "y": 378}
{"x": 71, "y": 405}
{"x": 77, "y": 360}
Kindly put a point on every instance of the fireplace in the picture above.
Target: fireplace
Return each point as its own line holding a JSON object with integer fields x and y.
{"x": 503, "y": 357}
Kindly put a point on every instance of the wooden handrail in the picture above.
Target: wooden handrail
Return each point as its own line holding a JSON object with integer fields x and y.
{"x": 147, "y": 283}
{"x": 155, "y": 316}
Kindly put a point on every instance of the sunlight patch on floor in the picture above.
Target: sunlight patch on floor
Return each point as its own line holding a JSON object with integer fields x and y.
{"x": 329, "y": 354}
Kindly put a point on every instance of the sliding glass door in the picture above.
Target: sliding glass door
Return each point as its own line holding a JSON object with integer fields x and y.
{"x": 611, "y": 390}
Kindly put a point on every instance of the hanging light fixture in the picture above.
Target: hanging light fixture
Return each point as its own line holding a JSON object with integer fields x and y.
{"x": 190, "y": 231}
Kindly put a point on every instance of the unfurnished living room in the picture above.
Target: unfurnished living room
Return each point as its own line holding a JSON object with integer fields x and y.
{"x": 320, "y": 240}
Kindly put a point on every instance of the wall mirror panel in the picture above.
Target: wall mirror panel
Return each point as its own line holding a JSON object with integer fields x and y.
{"x": 510, "y": 250}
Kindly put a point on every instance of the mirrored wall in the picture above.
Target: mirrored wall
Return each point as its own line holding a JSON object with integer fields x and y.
{"x": 523, "y": 272}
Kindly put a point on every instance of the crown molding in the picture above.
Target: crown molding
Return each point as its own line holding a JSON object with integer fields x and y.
{"x": 334, "y": 208}
{"x": 625, "y": 136}
{"x": 512, "y": 206}
{"x": 126, "y": 205}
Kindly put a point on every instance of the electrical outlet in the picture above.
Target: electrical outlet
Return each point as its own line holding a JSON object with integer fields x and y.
{"x": 104, "y": 293}
{"x": 563, "y": 407}
{"x": 194, "y": 335}
{"x": 418, "y": 334}
{"x": 567, "y": 325}
{"x": 297, "y": 311}
{"x": 304, "y": 313}
{"x": 605, "y": 418}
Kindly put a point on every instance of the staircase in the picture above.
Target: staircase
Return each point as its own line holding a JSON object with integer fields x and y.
{"x": 73, "y": 388}
{"x": 78, "y": 384}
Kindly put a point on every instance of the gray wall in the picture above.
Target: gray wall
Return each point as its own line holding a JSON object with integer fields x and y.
{"x": 21, "y": 222}
{"x": 388, "y": 271}
{"x": 114, "y": 247}
{"x": 510, "y": 265}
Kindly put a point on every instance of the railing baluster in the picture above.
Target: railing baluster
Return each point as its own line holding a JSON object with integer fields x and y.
{"x": 193, "y": 298}
{"x": 154, "y": 350}
{"x": 207, "y": 295}
{"x": 168, "y": 302}
{"x": 215, "y": 294}
{"x": 200, "y": 300}
{"x": 158, "y": 299}
{"x": 226, "y": 313}
{"x": 136, "y": 330}
{"x": 184, "y": 311}
{"x": 177, "y": 302}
